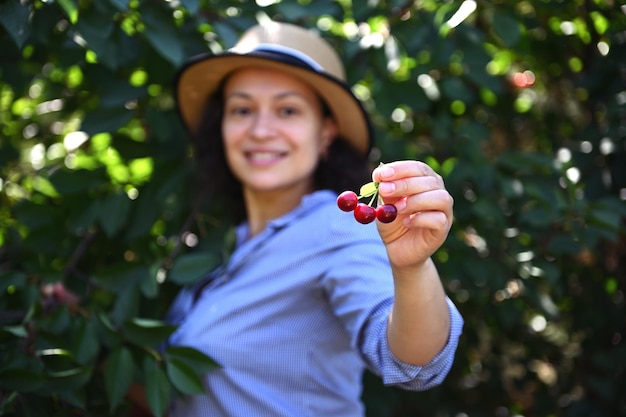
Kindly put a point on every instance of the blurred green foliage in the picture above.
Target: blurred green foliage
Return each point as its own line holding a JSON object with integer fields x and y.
{"x": 521, "y": 106}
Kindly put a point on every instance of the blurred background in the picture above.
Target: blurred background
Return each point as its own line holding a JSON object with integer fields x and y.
{"x": 520, "y": 106}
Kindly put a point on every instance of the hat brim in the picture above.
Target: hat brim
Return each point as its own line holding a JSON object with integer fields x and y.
{"x": 203, "y": 75}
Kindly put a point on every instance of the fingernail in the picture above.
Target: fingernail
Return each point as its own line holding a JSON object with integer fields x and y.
{"x": 386, "y": 172}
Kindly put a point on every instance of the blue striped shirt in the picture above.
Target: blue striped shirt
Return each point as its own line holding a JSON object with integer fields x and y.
{"x": 294, "y": 318}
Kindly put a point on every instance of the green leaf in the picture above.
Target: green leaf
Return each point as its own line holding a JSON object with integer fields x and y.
{"x": 16, "y": 331}
{"x": 68, "y": 380}
{"x": 71, "y": 9}
{"x": 34, "y": 406}
{"x": 85, "y": 342}
{"x": 227, "y": 34}
{"x": 117, "y": 94}
{"x": 35, "y": 216}
{"x": 294, "y": 10}
{"x": 184, "y": 378}
{"x": 192, "y": 357}
{"x": 158, "y": 391}
{"x": 113, "y": 213}
{"x": 118, "y": 375}
{"x": 126, "y": 304}
{"x": 14, "y": 18}
{"x": 117, "y": 278}
{"x": 12, "y": 279}
{"x": 121, "y": 5}
{"x": 191, "y": 267}
{"x": 57, "y": 359}
{"x": 107, "y": 331}
{"x": 368, "y": 190}
{"x": 67, "y": 181}
{"x": 455, "y": 89}
{"x": 76, "y": 398}
{"x": 564, "y": 245}
{"x": 105, "y": 119}
{"x": 23, "y": 380}
{"x": 149, "y": 284}
{"x": 55, "y": 323}
{"x": 96, "y": 28}
{"x": 191, "y": 5}
{"x": 506, "y": 28}
{"x": 608, "y": 214}
{"x": 147, "y": 332}
{"x": 162, "y": 35}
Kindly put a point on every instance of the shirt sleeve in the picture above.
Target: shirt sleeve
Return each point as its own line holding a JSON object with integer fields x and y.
{"x": 359, "y": 288}
{"x": 395, "y": 372}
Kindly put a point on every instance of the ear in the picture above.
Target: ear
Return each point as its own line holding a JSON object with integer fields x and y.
{"x": 328, "y": 134}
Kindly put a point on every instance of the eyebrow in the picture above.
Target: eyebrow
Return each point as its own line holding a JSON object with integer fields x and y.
{"x": 278, "y": 96}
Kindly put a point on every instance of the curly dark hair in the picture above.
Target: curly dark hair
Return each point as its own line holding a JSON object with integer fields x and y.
{"x": 344, "y": 167}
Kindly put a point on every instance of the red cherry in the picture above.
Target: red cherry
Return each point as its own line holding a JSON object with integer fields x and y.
{"x": 386, "y": 213}
{"x": 364, "y": 213}
{"x": 347, "y": 200}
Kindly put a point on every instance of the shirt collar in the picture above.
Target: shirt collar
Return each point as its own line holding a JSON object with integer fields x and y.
{"x": 309, "y": 202}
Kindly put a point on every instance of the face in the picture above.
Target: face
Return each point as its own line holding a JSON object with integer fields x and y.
{"x": 274, "y": 131}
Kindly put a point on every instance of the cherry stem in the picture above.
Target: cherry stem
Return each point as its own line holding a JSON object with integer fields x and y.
{"x": 373, "y": 198}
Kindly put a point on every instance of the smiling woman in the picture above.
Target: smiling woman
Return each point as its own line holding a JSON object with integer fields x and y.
{"x": 309, "y": 298}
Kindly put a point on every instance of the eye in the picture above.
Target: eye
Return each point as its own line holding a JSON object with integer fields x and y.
{"x": 287, "y": 111}
{"x": 239, "y": 110}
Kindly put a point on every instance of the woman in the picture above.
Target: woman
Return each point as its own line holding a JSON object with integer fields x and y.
{"x": 309, "y": 297}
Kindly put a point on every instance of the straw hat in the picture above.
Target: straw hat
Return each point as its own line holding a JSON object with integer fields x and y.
{"x": 285, "y": 47}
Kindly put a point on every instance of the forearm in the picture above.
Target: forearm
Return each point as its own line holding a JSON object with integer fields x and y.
{"x": 419, "y": 323}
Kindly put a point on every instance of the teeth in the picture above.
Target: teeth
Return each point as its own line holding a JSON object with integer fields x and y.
{"x": 264, "y": 156}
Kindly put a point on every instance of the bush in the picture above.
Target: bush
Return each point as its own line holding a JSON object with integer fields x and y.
{"x": 521, "y": 107}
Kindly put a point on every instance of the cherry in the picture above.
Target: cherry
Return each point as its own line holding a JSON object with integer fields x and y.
{"x": 386, "y": 213}
{"x": 364, "y": 213}
{"x": 347, "y": 200}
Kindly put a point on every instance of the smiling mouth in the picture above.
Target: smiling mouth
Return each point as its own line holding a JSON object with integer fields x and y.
{"x": 264, "y": 157}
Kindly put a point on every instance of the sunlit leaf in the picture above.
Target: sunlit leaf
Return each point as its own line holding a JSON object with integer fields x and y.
{"x": 71, "y": 9}
{"x": 368, "y": 190}
{"x": 57, "y": 359}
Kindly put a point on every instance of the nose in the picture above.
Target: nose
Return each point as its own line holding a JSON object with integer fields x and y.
{"x": 263, "y": 125}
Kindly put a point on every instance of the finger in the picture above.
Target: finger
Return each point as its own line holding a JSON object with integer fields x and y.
{"x": 410, "y": 185}
{"x": 401, "y": 169}
{"x": 437, "y": 200}
{"x": 430, "y": 220}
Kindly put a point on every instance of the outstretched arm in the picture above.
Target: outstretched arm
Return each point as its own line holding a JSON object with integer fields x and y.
{"x": 419, "y": 323}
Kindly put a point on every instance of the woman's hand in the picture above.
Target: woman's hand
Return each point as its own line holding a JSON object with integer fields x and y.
{"x": 424, "y": 212}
